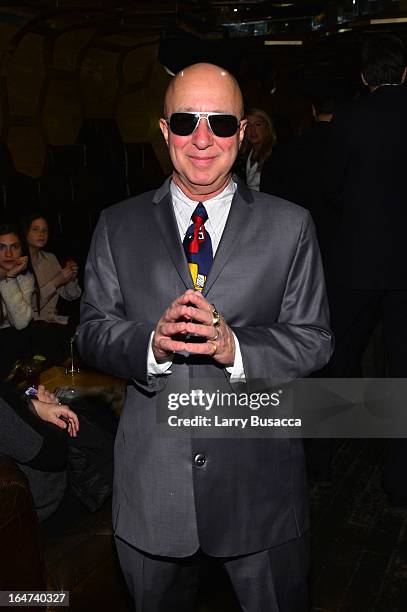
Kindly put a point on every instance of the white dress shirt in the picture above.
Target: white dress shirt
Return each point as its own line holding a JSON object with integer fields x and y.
{"x": 252, "y": 173}
{"x": 218, "y": 210}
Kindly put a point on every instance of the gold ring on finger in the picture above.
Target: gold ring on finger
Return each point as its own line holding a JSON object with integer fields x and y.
{"x": 215, "y": 348}
{"x": 216, "y": 336}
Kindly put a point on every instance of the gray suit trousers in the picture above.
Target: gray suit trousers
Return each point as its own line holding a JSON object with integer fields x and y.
{"x": 273, "y": 580}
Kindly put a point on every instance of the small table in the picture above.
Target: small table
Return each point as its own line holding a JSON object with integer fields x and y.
{"x": 83, "y": 383}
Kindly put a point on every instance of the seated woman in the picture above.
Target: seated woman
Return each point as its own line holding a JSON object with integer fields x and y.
{"x": 53, "y": 282}
{"x": 40, "y": 452}
{"x": 259, "y": 140}
{"x": 16, "y": 291}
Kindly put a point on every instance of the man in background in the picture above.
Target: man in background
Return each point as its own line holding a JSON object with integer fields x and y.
{"x": 366, "y": 183}
{"x": 296, "y": 170}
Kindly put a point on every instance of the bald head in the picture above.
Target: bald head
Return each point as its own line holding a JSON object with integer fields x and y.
{"x": 208, "y": 84}
{"x": 202, "y": 157}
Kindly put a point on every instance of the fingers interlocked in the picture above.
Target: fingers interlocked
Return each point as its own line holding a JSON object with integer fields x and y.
{"x": 192, "y": 315}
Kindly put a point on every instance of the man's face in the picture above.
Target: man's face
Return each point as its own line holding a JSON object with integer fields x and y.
{"x": 10, "y": 251}
{"x": 202, "y": 160}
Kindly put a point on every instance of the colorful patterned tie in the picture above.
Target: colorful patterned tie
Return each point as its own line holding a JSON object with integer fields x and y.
{"x": 198, "y": 247}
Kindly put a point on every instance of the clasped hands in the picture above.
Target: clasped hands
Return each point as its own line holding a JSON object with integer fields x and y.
{"x": 191, "y": 313}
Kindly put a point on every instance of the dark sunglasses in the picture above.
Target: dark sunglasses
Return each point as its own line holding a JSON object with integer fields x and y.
{"x": 184, "y": 124}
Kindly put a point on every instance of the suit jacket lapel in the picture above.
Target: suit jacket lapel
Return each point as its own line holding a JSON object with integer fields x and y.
{"x": 167, "y": 224}
{"x": 238, "y": 219}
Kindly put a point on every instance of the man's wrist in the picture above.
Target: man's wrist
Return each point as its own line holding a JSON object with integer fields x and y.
{"x": 236, "y": 371}
{"x": 155, "y": 367}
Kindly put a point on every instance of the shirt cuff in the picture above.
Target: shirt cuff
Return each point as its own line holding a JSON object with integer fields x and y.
{"x": 236, "y": 371}
{"x": 154, "y": 368}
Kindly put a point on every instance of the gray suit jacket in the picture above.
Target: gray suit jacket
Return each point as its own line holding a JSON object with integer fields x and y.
{"x": 267, "y": 281}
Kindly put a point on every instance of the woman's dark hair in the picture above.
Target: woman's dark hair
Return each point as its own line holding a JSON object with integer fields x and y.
{"x": 26, "y": 226}
{"x": 11, "y": 228}
{"x": 383, "y": 60}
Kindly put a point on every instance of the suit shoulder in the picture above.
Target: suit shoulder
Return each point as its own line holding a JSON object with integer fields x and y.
{"x": 272, "y": 205}
{"x": 386, "y": 98}
{"x": 127, "y": 208}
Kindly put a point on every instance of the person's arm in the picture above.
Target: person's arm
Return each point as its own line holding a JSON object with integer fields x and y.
{"x": 236, "y": 371}
{"x": 25, "y": 438}
{"x": 18, "y": 440}
{"x": 49, "y": 409}
{"x": 105, "y": 338}
{"x": 70, "y": 291}
{"x": 16, "y": 294}
{"x": 300, "y": 342}
{"x": 61, "y": 280}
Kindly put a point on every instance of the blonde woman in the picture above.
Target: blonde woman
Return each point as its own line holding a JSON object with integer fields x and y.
{"x": 260, "y": 138}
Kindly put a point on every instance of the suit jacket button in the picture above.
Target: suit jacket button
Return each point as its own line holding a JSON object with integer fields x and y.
{"x": 199, "y": 459}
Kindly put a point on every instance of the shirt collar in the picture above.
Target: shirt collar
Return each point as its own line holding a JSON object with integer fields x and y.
{"x": 213, "y": 205}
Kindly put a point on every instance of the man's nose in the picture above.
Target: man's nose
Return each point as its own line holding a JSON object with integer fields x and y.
{"x": 8, "y": 252}
{"x": 202, "y": 136}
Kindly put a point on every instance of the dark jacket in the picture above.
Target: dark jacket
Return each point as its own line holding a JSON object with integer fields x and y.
{"x": 367, "y": 182}
{"x": 296, "y": 172}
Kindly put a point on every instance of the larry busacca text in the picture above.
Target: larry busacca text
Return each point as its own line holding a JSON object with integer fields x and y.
{"x": 198, "y": 400}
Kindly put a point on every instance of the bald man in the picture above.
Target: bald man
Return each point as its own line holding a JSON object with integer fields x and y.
{"x": 157, "y": 266}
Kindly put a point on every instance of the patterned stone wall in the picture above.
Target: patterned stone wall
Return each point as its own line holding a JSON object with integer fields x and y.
{"x": 64, "y": 66}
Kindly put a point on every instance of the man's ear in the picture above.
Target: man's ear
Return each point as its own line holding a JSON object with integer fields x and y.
{"x": 364, "y": 80}
{"x": 164, "y": 129}
{"x": 242, "y": 128}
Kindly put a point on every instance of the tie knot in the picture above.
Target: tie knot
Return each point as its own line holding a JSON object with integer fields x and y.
{"x": 199, "y": 215}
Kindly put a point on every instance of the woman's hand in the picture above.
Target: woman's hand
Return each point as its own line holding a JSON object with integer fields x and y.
{"x": 74, "y": 267}
{"x": 20, "y": 265}
{"x": 49, "y": 409}
{"x": 68, "y": 273}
